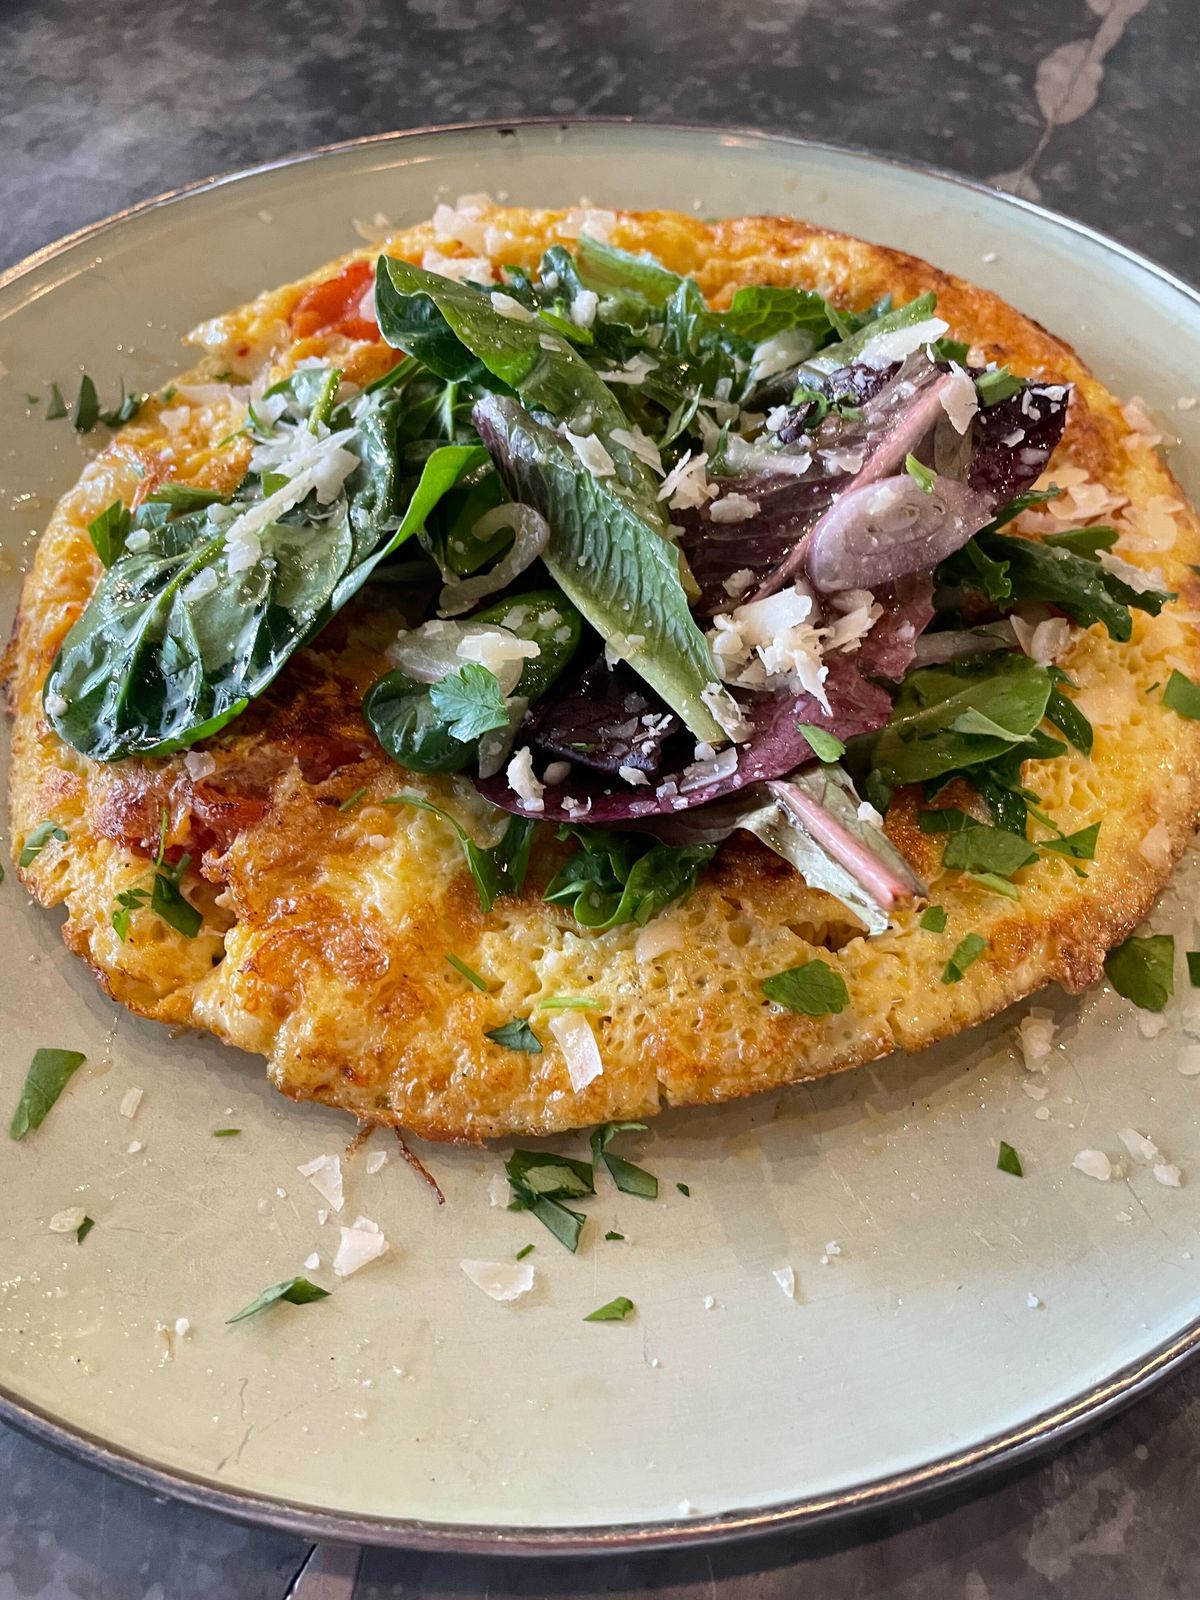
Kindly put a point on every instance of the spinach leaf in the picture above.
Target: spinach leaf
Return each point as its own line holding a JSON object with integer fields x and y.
{"x": 1182, "y": 695}
{"x": 980, "y": 848}
{"x": 1143, "y": 970}
{"x": 609, "y": 561}
{"x": 48, "y": 1075}
{"x": 957, "y": 716}
{"x": 614, "y": 878}
{"x": 496, "y": 871}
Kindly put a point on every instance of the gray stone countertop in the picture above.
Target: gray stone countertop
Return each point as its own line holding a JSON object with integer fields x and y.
{"x": 1088, "y": 105}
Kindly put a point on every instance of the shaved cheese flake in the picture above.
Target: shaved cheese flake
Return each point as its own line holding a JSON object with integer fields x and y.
{"x": 130, "y": 1101}
{"x": 885, "y": 348}
{"x": 583, "y": 307}
{"x": 199, "y": 764}
{"x": 686, "y": 486}
{"x": 325, "y": 1175}
{"x": 376, "y": 1161}
{"x": 508, "y": 307}
{"x": 1141, "y": 1148}
{"x": 573, "y": 1034}
{"x": 69, "y": 1221}
{"x": 1155, "y": 845}
{"x": 462, "y": 269}
{"x": 358, "y": 1247}
{"x": 659, "y": 936}
{"x": 1044, "y": 641}
{"x": 588, "y": 222}
{"x": 523, "y": 781}
{"x": 959, "y": 399}
{"x": 785, "y": 1277}
{"x": 500, "y": 1280}
{"x": 639, "y": 444}
{"x": 1035, "y": 1034}
{"x": 499, "y": 1193}
{"x": 1093, "y": 1164}
{"x": 733, "y": 508}
{"x": 1168, "y": 1175}
{"x": 635, "y": 370}
{"x": 591, "y": 453}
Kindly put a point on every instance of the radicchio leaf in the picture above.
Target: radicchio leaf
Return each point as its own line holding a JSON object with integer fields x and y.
{"x": 1014, "y": 440}
{"x": 607, "y": 719}
{"x": 888, "y": 650}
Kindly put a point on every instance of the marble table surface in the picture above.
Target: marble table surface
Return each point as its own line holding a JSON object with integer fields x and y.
{"x": 1088, "y": 105}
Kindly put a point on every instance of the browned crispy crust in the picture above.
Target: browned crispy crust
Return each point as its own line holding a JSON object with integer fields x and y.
{"x": 325, "y": 931}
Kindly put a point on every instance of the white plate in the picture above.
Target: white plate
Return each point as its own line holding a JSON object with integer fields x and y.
{"x": 408, "y": 1408}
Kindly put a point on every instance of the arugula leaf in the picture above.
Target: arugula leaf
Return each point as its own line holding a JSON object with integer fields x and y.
{"x": 1083, "y": 588}
{"x": 86, "y": 412}
{"x": 1143, "y": 970}
{"x": 924, "y": 477}
{"x": 1086, "y": 542}
{"x": 933, "y": 919}
{"x": 37, "y": 839}
{"x": 109, "y": 532}
{"x": 609, "y": 561}
{"x": 615, "y": 1311}
{"x": 1182, "y": 695}
{"x": 469, "y": 973}
{"x": 56, "y": 406}
{"x": 813, "y": 988}
{"x": 995, "y": 884}
{"x": 84, "y": 1228}
{"x": 823, "y": 745}
{"x": 295, "y": 1291}
{"x": 960, "y": 715}
{"x": 1081, "y": 846}
{"x": 1070, "y": 721}
{"x": 470, "y": 702}
{"x": 496, "y": 871}
{"x": 966, "y": 952}
{"x": 1193, "y": 966}
{"x": 515, "y": 1035}
{"x": 848, "y": 350}
{"x": 614, "y": 878}
{"x": 983, "y": 849}
{"x": 49, "y": 1073}
{"x": 1009, "y": 1161}
{"x": 1022, "y": 502}
{"x": 628, "y": 1178}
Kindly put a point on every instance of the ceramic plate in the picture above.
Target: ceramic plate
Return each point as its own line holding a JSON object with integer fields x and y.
{"x": 945, "y": 1314}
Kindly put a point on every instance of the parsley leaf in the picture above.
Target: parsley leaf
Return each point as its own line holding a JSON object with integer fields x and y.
{"x": 109, "y": 532}
{"x": 1143, "y": 970}
{"x": 37, "y": 839}
{"x": 56, "y": 406}
{"x": 1182, "y": 695}
{"x": 1081, "y": 846}
{"x": 966, "y": 952}
{"x": 86, "y": 414}
{"x": 933, "y": 919}
{"x": 49, "y": 1073}
{"x": 924, "y": 476}
{"x": 615, "y": 1311}
{"x": 525, "y": 1250}
{"x": 126, "y": 408}
{"x": 351, "y": 800}
{"x": 470, "y": 701}
{"x": 84, "y": 1228}
{"x": 628, "y": 1178}
{"x": 1193, "y": 966}
{"x": 982, "y": 848}
{"x": 813, "y": 988}
{"x": 515, "y": 1035}
{"x": 684, "y": 1190}
{"x": 613, "y": 1234}
{"x": 823, "y": 745}
{"x": 296, "y": 1291}
{"x": 1009, "y": 1161}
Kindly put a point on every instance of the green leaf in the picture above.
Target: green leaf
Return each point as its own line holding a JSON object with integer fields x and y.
{"x": 226, "y": 1133}
{"x": 615, "y": 1311}
{"x": 469, "y": 973}
{"x": 924, "y": 477}
{"x": 109, "y": 532}
{"x": 933, "y": 919}
{"x": 37, "y": 839}
{"x": 1193, "y": 966}
{"x": 1080, "y": 846}
{"x": 49, "y": 1073}
{"x": 547, "y": 1173}
{"x": 56, "y": 406}
{"x": 847, "y": 350}
{"x": 613, "y": 1234}
{"x": 627, "y": 1177}
{"x": 182, "y": 497}
{"x": 86, "y": 413}
{"x": 84, "y": 1228}
{"x": 1081, "y": 587}
{"x": 813, "y": 988}
{"x": 823, "y": 745}
{"x": 295, "y": 1291}
{"x": 609, "y": 561}
{"x": 351, "y": 800}
{"x": 167, "y": 901}
{"x": 323, "y": 401}
{"x": 684, "y": 1190}
{"x": 566, "y": 1225}
{"x": 995, "y": 884}
{"x": 470, "y": 702}
{"x": 1009, "y": 1161}
{"x": 958, "y": 716}
{"x": 1070, "y": 721}
{"x": 980, "y": 848}
{"x": 615, "y": 878}
{"x": 496, "y": 871}
{"x": 1182, "y": 695}
{"x": 1143, "y": 970}
{"x": 996, "y": 384}
{"x": 127, "y": 902}
{"x": 515, "y": 1035}
{"x": 525, "y": 1250}
{"x": 761, "y": 312}
{"x": 1086, "y": 542}
{"x": 126, "y": 408}
{"x": 966, "y": 952}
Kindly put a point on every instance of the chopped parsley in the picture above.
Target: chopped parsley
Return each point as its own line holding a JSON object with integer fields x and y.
{"x": 568, "y": 1002}
{"x": 1009, "y": 1161}
{"x": 467, "y": 972}
{"x": 109, "y": 532}
{"x": 813, "y": 988}
{"x": 1193, "y": 966}
{"x": 515, "y": 1035}
{"x": 823, "y": 745}
{"x": 1182, "y": 695}
{"x": 540, "y": 1181}
{"x": 49, "y": 1073}
{"x": 56, "y": 406}
{"x": 296, "y": 1291}
{"x": 966, "y": 952}
{"x": 525, "y": 1250}
{"x": 226, "y": 1133}
{"x": 86, "y": 413}
{"x": 933, "y": 919}
{"x": 996, "y": 384}
{"x": 615, "y": 1311}
{"x": 684, "y": 1190}
{"x": 37, "y": 839}
{"x": 84, "y": 1228}
{"x": 628, "y": 1178}
{"x": 164, "y": 897}
{"x": 613, "y": 1234}
{"x": 1080, "y": 846}
{"x": 923, "y": 476}
{"x": 1143, "y": 970}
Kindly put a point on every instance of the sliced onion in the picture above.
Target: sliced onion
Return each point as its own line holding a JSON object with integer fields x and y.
{"x": 876, "y": 533}
{"x": 436, "y": 649}
{"x": 531, "y": 536}
{"x": 932, "y": 649}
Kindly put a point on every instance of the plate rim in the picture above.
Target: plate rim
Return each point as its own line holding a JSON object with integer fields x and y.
{"x": 1035, "y": 1436}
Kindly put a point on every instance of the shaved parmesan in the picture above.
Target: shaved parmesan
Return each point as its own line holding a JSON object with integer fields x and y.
{"x": 959, "y": 399}
{"x": 639, "y": 444}
{"x": 785, "y": 1277}
{"x": 500, "y": 1280}
{"x": 591, "y": 453}
{"x": 583, "y": 307}
{"x": 1141, "y": 1148}
{"x": 67, "y": 1221}
{"x": 574, "y": 1036}
{"x": 523, "y": 781}
{"x": 658, "y": 937}
{"x": 130, "y": 1101}
{"x": 733, "y": 508}
{"x": 686, "y": 486}
{"x": 508, "y": 307}
{"x": 885, "y": 348}
{"x": 1094, "y": 1164}
{"x": 1168, "y": 1175}
{"x": 358, "y": 1247}
{"x": 325, "y": 1175}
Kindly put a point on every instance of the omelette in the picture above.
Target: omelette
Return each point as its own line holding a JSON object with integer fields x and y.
{"x": 554, "y": 665}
